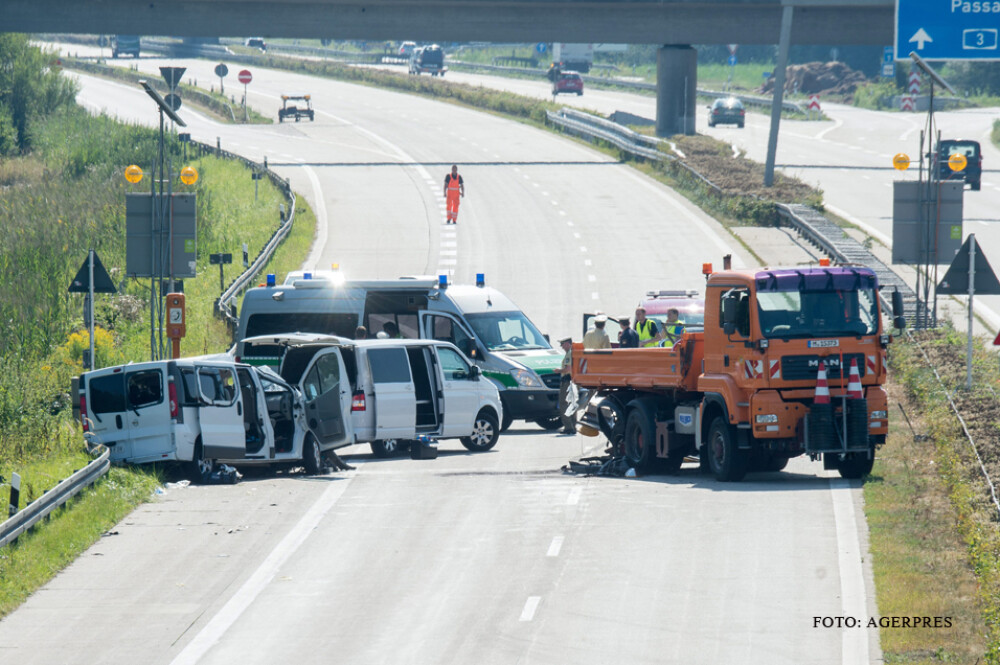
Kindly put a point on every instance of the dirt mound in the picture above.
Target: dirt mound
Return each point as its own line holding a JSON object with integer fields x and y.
{"x": 824, "y": 78}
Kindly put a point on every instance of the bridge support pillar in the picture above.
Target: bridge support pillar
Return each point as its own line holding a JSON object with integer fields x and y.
{"x": 676, "y": 85}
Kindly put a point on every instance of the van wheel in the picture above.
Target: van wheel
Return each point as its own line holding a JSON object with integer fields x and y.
{"x": 386, "y": 447}
{"x": 199, "y": 469}
{"x": 485, "y": 432}
{"x": 728, "y": 462}
{"x": 312, "y": 459}
{"x": 549, "y": 424}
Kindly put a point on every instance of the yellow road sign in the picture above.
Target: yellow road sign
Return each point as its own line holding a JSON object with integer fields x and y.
{"x": 901, "y": 161}
{"x": 133, "y": 174}
{"x": 957, "y": 161}
{"x": 189, "y": 175}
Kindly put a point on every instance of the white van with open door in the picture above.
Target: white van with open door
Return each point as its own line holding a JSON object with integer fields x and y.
{"x": 197, "y": 411}
{"x": 394, "y": 391}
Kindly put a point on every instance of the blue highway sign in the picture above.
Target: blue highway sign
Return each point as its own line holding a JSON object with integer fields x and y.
{"x": 948, "y": 29}
{"x": 541, "y": 47}
{"x": 888, "y": 62}
{"x": 732, "y": 60}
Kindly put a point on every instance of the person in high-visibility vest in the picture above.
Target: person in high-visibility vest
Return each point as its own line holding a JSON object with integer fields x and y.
{"x": 673, "y": 327}
{"x": 649, "y": 333}
{"x": 454, "y": 189}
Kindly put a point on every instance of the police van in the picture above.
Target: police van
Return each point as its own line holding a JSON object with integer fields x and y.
{"x": 483, "y": 323}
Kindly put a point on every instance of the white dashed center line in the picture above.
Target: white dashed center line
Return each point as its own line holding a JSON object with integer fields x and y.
{"x": 574, "y": 494}
{"x": 555, "y": 546}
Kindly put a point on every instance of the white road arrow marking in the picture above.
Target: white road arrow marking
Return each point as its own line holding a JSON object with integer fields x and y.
{"x": 921, "y": 37}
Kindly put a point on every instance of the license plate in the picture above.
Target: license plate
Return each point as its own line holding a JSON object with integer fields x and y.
{"x": 823, "y": 343}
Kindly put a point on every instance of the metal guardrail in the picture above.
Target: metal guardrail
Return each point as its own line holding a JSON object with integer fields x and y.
{"x": 622, "y": 137}
{"x": 53, "y": 498}
{"x": 244, "y": 279}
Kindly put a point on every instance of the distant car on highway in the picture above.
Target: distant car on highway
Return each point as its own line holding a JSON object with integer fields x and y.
{"x": 296, "y": 110}
{"x": 256, "y": 42}
{"x": 726, "y": 111}
{"x": 568, "y": 82}
{"x": 427, "y": 60}
{"x": 406, "y": 49}
{"x": 973, "y": 171}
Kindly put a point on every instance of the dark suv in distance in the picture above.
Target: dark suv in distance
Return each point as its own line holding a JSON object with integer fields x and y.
{"x": 726, "y": 111}
{"x": 973, "y": 171}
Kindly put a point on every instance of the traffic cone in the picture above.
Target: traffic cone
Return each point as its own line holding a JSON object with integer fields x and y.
{"x": 854, "y": 390}
{"x": 822, "y": 389}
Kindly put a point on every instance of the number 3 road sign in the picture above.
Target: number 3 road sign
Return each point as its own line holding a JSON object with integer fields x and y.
{"x": 947, "y": 29}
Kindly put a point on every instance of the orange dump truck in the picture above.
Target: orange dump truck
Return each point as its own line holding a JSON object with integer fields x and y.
{"x": 741, "y": 392}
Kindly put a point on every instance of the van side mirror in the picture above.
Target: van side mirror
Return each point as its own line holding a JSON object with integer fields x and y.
{"x": 474, "y": 372}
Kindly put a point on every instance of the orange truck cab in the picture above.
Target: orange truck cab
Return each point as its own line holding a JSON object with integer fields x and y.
{"x": 748, "y": 391}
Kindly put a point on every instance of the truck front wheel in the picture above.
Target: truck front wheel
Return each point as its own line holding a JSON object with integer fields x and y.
{"x": 728, "y": 463}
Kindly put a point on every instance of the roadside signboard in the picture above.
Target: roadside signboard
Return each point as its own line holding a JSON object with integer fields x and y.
{"x": 732, "y": 60}
{"x": 221, "y": 70}
{"x": 541, "y": 47}
{"x": 173, "y": 101}
{"x": 888, "y": 62}
{"x": 947, "y": 29}
{"x": 245, "y": 76}
{"x": 732, "y": 48}
{"x": 172, "y": 75}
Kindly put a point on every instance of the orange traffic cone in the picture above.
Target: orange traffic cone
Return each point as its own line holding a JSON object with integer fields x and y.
{"x": 822, "y": 389}
{"x": 854, "y": 390}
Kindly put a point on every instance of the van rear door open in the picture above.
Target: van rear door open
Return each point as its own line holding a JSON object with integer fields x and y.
{"x": 222, "y": 432}
{"x": 395, "y": 401}
{"x": 325, "y": 392}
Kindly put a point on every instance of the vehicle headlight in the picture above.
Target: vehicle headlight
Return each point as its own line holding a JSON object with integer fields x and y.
{"x": 767, "y": 418}
{"x": 879, "y": 415}
{"x": 526, "y": 378}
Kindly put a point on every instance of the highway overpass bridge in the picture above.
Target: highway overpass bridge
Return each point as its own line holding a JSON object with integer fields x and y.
{"x": 676, "y": 24}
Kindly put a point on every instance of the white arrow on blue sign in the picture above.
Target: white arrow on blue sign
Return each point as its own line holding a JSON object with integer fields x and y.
{"x": 541, "y": 47}
{"x": 732, "y": 60}
{"x": 948, "y": 29}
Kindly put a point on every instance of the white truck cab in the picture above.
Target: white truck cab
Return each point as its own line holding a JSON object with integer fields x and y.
{"x": 490, "y": 330}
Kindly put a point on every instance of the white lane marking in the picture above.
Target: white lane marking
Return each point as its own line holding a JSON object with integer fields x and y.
{"x": 569, "y": 223}
{"x": 583, "y": 250}
{"x": 854, "y": 644}
{"x": 576, "y": 235}
{"x": 535, "y": 184}
{"x": 449, "y": 244}
{"x": 448, "y": 262}
{"x": 255, "y": 584}
{"x": 527, "y": 177}
{"x": 517, "y": 169}
{"x": 449, "y": 252}
{"x": 562, "y": 212}
{"x": 322, "y": 223}
{"x": 591, "y": 278}
{"x": 594, "y": 296}
{"x": 555, "y": 203}
{"x": 530, "y": 605}
{"x": 837, "y": 122}
{"x": 587, "y": 262}
{"x": 545, "y": 194}
{"x": 574, "y": 496}
{"x": 555, "y": 546}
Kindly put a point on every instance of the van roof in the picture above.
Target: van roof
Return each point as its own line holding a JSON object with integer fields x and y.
{"x": 470, "y": 299}
{"x": 307, "y": 339}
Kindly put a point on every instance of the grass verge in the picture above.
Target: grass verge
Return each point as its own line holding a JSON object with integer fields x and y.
{"x": 935, "y": 535}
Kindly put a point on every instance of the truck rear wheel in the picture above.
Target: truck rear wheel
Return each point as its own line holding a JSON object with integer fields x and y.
{"x": 856, "y": 465}
{"x": 640, "y": 439}
{"x": 728, "y": 463}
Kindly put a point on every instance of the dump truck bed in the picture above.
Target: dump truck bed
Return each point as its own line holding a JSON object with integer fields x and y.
{"x": 653, "y": 368}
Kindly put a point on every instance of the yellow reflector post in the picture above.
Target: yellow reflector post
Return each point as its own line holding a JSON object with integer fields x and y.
{"x": 189, "y": 175}
{"x": 901, "y": 161}
{"x": 957, "y": 162}
{"x": 133, "y": 173}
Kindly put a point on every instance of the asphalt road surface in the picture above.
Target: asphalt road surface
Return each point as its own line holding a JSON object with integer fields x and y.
{"x": 495, "y": 557}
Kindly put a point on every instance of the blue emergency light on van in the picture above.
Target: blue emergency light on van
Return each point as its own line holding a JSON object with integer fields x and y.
{"x": 480, "y": 279}
{"x": 307, "y": 275}
{"x": 270, "y": 279}
{"x": 443, "y": 281}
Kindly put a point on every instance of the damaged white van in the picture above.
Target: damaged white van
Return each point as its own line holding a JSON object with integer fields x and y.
{"x": 199, "y": 411}
{"x": 385, "y": 392}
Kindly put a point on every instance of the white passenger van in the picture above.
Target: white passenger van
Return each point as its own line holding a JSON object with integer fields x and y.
{"x": 482, "y": 322}
{"x": 386, "y": 392}
{"x": 198, "y": 411}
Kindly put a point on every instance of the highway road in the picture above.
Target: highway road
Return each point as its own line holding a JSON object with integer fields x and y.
{"x": 495, "y": 557}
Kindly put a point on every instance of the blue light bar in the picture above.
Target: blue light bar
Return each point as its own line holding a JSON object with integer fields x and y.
{"x": 480, "y": 279}
{"x": 443, "y": 281}
{"x": 307, "y": 275}
{"x": 270, "y": 279}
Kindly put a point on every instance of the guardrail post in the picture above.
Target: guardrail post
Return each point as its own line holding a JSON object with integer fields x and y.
{"x": 218, "y": 146}
{"x": 15, "y": 495}
{"x": 265, "y": 162}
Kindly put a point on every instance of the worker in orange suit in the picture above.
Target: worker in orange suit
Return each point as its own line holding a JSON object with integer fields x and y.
{"x": 454, "y": 189}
